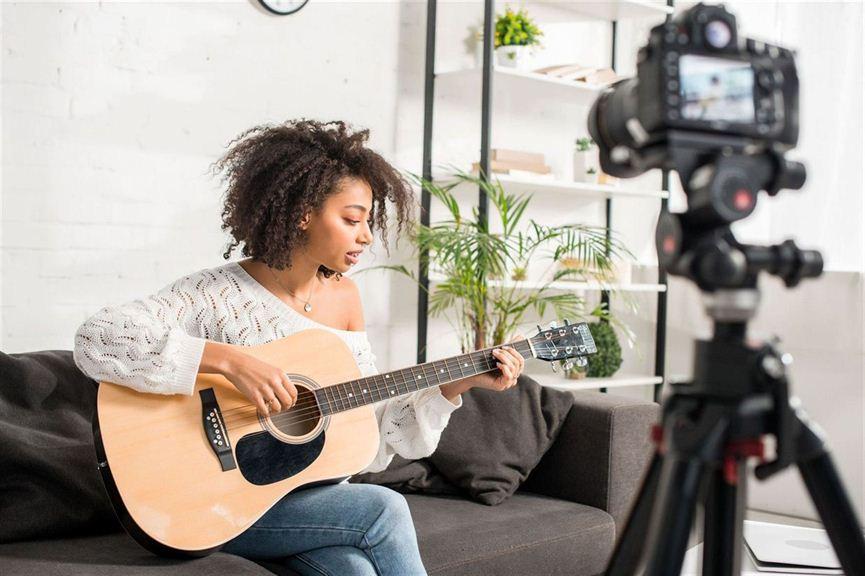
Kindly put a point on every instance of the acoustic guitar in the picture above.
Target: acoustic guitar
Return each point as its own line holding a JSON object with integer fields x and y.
{"x": 186, "y": 474}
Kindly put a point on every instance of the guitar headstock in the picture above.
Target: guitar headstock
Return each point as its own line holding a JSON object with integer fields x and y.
{"x": 563, "y": 343}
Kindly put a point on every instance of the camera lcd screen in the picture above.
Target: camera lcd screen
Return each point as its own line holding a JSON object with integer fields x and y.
{"x": 716, "y": 89}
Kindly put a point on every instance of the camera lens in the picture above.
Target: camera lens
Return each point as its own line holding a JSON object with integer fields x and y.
{"x": 718, "y": 33}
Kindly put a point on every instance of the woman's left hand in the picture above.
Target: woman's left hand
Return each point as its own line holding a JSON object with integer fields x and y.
{"x": 510, "y": 364}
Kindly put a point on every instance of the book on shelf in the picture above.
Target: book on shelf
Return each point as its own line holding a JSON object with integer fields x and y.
{"x": 580, "y": 73}
{"x": 506, "y": 155}
{"x": 501, "y": 167}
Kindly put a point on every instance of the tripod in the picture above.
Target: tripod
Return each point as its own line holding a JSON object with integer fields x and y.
{"x": 739, "y": 393}
{"x": 709, "y": 428}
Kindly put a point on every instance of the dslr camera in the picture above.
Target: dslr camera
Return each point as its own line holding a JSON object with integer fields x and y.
{"x": 696, "y": 74}
{"x": 721, "y": 110}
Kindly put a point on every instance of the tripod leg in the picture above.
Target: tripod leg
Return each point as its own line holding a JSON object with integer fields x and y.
{"x": 668, "y": 535}
{"x": 829, "y": 496}
{"x": 629, "y": 548}
{"x": 724, "y": 513}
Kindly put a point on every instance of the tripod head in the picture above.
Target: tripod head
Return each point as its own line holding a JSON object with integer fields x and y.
{"x": 721, "y": 176}
{"x": 720, "y": 110}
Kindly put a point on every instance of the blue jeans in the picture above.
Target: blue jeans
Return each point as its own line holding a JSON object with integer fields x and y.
{"x": 336, "y": 530}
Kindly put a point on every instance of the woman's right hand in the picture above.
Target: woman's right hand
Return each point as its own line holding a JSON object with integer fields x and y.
{"x": 260, "y": 382}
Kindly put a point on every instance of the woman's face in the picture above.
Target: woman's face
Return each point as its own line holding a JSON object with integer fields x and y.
{"x": 341, "y": 229}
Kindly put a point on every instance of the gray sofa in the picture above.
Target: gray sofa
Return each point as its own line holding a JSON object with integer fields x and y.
{"x": 562, "y": 520}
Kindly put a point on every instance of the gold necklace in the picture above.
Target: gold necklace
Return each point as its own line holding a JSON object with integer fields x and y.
{"x": 307, "y": 307}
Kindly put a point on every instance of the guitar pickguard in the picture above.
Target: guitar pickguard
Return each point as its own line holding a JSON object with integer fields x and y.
{"x": 263, "y": 459}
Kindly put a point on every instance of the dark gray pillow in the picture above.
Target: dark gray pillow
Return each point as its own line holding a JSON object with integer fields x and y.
{"x": 489, "y": 446}
{"x": 50, "y": 485}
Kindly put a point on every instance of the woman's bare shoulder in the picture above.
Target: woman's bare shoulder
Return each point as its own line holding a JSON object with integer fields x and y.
{"x": 347, "y": 293}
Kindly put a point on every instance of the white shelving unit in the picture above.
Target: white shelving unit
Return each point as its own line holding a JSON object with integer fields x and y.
{"x": 558, "y": 380}
{"x": 520, "y": 185}
{"x": 582, "y": 91}
{"x": 567, "y": 285}
{"x": 583, "y": 94}
{"x": 610, "y": 10}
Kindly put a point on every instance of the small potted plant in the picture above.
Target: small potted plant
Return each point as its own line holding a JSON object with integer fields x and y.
{"x": 515, "y": 34}
{"x": 585, "y": 161}
{"x": 607, "y": 360}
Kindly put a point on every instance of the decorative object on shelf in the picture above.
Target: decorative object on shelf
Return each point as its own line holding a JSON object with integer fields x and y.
{"x": 467, "y": 255}
{"x": 599, "y": 77}
{"x": 478, "y": 37}
{"x": 515, "y": 34}
{"x": 608, "y": 359}
{"x": 604, "y": 178}
{"x": 585, "y": 160}
{"x": 577, "y": 372}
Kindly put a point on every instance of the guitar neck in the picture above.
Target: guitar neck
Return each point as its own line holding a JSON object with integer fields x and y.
{"x": 379, "y": 387}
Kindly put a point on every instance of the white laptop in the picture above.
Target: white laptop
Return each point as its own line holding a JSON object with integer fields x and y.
{"x": 790, "y": 549}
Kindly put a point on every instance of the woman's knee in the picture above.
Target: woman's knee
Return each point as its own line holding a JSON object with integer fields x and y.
{"x": 391, "y": 507}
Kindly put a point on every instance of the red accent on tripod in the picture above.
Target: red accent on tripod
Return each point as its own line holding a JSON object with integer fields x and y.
{"x": 734, "y": 451}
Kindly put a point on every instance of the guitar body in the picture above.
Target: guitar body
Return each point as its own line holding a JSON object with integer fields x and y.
{"x": 179, "y": 492}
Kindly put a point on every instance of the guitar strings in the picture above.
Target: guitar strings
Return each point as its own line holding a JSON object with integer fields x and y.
{"x": 485, "y": 360}
{"x": 306, "y": 408}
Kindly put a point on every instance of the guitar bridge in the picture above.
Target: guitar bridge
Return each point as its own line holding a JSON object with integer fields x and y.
{"x": 214, "y": 429}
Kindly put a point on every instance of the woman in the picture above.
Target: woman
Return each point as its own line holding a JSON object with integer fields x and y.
{"x": 303, "y": 199}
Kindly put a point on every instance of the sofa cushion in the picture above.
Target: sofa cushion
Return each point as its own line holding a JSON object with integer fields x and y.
{"x": 489, "y": 446}
{"x": 526, "y": 534}
{"x": 110, "y": 555}
{"x": 50, "y": 485}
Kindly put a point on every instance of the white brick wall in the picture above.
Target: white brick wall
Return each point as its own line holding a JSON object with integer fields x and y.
{"x": 112, "y": 113}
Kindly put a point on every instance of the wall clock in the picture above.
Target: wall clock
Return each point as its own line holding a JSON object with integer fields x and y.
{"x": 283, "y": 7}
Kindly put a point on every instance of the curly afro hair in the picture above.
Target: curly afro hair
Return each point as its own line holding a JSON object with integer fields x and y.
{"x": 276, "y": 174}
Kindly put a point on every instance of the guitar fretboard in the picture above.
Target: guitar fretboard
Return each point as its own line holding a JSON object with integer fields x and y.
{"x": 379, "y": 387}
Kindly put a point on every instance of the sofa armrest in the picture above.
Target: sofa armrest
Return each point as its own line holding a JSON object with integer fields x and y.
{"x": 601, "y": 454}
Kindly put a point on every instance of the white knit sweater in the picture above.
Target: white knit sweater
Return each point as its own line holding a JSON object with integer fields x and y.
{"x": 155, "y": 344}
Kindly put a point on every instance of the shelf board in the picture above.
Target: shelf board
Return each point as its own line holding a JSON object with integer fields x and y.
{"x": 589, "y": 91}
{"x": 556, "y": 380}
{"x": 519, "y": 184}
{"x": 609, "y": 10}
{"x": 569, "y": 286}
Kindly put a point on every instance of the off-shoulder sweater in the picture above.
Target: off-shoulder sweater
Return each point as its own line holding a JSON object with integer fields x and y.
{"x": 155, "y": 344}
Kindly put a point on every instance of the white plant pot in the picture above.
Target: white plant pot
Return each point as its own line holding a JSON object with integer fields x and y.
{"x": 582, "y": 162}
{"x": 512, "y": 56}
{"x": 479, "y": 54}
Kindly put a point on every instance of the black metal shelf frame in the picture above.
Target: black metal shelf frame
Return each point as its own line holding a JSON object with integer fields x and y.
{"x": 483, "y": 203}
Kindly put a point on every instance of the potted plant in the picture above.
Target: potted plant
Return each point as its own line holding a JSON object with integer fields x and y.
{"x": 585, "y": 160}
{"x": 607, "y": 360}
{"x": 471, "y": 260}
{"x": 515, "y": 33}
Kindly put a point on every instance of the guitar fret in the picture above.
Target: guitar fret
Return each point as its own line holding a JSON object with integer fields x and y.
{"x": 450, "y": 378}
{"x": 407, "y": 384}
{"x": 323, "y": 403}
{"x": 352, "y": 394}
{"x": 339, "y": 397}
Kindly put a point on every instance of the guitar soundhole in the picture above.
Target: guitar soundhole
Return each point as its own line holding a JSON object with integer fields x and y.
{"x": 301, "y": 418}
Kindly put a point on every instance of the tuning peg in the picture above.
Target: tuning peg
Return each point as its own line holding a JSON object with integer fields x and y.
{"x": 582, "y": 361}
{"x": 554, "y": 366}
{"x": 568, "y": 365}
{"x": 539, "y": 328}
{"x": 565, "y": 321}
{"x": 553, "y": 324}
